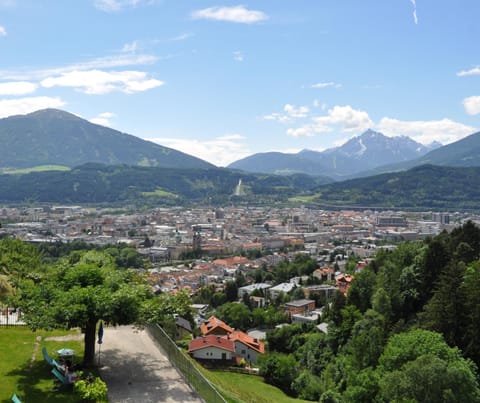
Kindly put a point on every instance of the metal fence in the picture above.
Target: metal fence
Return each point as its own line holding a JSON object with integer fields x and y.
{"x": 194, "y": 377}
{"x": 10, "y": 317}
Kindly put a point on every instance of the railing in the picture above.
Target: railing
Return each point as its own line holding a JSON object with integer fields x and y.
{"x": 10, "y": 317}
{"x": 193, "y": 376}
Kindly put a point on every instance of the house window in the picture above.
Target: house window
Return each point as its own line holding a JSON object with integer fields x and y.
{"x": 244, "y": 351}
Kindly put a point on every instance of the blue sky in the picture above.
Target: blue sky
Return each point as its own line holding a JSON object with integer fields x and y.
{"x": 224, "y": 79}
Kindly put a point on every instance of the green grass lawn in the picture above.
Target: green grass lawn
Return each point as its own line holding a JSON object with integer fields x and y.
{"x": 24, "y": 371}
{"x": 238, "y": 388}
{"x": 39, "y": 168}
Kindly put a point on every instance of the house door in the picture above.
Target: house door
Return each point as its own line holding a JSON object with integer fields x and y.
{"x": 224, "y": 356}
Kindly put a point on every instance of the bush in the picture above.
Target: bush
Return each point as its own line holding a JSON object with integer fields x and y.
{"x": 91, "y": 388}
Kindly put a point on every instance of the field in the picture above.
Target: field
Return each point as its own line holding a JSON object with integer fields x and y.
{"x": 39, "y": 168}
{"x": 242, "y": 388}
{"x": 23, "y": 370}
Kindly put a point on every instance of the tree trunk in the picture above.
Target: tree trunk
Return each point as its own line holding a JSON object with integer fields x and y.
{"x": 89, "y": 354}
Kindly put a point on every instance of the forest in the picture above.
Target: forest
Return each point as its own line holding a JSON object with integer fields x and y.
{"x": 98, "y": 183}
{"x": 426, "y": 186}
{"x": 407, "y": 331}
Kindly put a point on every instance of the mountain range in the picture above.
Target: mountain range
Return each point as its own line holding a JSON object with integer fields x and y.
{"x": 361, "y": 153}
{"x": 55, "y": 137}
{"x": 462, "y": 153}
{"x": 103, "y": 165}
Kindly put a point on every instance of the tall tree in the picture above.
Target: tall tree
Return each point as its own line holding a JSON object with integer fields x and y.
{"x": 278, "y": 369}
{"x": 418, "y": 366}
{"x": 235, "y": 315}
{"x": 471, "y": 285}
{"x": 445, "y": 312}
{"x": 80, "y": 295}
{"x": 361, "y": 290}
{"x": 17, "y": 258}
{"x": 430, "y": 379}
{"x": 231, "y": 291}
{"x": 468, "y": 233}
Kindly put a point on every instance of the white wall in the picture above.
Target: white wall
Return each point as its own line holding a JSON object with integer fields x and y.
{"x": 212, "y": 353}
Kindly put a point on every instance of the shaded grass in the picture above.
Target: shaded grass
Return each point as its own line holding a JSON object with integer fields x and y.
{"x": 31, "y": 379}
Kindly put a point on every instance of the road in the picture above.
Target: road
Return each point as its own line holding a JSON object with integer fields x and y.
{"x": 136, "y": 370}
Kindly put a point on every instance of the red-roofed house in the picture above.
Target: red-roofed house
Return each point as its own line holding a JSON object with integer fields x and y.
{"x": 212, "y": 348}
{"x": 343, "y": 283}
{"x": 246, "y": 346}
{"x": 215, "y": 326}
{"x": 231, "y": 261}
{"x": 324, "y": 274}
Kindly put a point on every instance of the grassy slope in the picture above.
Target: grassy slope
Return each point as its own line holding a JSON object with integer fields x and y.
{"x": 239, "y": 388}
{"x": 39, "y": 168}
{"x": 31, "y": 380}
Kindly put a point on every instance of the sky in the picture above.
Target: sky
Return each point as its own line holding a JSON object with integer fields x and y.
{"x": 223, "y": 79}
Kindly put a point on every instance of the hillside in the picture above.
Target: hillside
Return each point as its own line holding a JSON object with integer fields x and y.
{"x": 361, "y": 153}
{"x": 96, "y": 183}
{"x": 426, "y": 186}
{"x": 55, "y": 137}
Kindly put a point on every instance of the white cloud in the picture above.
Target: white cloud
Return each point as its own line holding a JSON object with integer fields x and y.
{"x": 234, "y": 136}
{"x": 110, "y": 6}
{"x": 304, "y": 131}
{"x": 415, "y": 18}
{"x": 220, "y": 151}
{"x": 107, "y": 5}
{"x": 181, "y": 37}
{"x": 326, "y": 84}
{"x": 472, "y": 105}
{"x": 3, "y": 31}
{"x": 103, "y": 119}
{"x": 341, "y": 142}
{"x": 17, "y": 88}
{"x": 278, "y": 117}
{"x": 291, "y": 113}
{"x": 472, "y": 72}
{"x": 238, "y": 56}
{"x": 316, "y": 104}
{"x": 102, "y": 82}
{"x": 21, "y": 106}
{"x": 289, "y": 150}
{"x": 238, "y": 14}
{"x": 98, "y": 63}
{"x": 112, "y": 61}
{"x": 346, "y": 117}
{"x": 131, "y": 47}
{"x": 294, "y": 112}
{"x": 444, "y": 131}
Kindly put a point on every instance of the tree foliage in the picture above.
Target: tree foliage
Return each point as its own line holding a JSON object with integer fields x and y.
{"x": 279, "y": 370}
{"x": 79, "y": 295}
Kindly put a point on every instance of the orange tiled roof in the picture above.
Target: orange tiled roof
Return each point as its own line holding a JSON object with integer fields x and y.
{"x": 246, "y": 339}
{"x": 211, "y": 341}
{"x": 213, "y": 324}
{"x": 231, "y": 261}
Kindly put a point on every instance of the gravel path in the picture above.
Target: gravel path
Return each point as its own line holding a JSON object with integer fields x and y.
{"x": 136, "y": 370}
